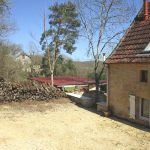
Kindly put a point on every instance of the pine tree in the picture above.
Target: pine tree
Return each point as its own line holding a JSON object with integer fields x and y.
{"x": 62, "y": 34}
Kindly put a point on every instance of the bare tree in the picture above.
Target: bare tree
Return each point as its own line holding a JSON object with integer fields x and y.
{"x": 35, "y": 56}
{"x": 5, "y": 25}
{"x": 103, "y": 24}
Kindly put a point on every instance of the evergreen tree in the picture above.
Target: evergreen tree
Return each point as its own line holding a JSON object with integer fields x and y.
{"x": 62, "y": 34}
{"x": 63, "y": 67}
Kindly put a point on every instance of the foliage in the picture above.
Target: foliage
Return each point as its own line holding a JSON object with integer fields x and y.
{"x": 64, "y": 67}
{"x": 10, "y": 69}
{"x": 85, "y": 68}
{"x": 36, "y": 58}
{"x": 63, "y": 32}
{"x": 102, "y": 77}
{"x": 36, "y": 61}
{"x": 69, "y": 89}
{"x": 45, "y": 67}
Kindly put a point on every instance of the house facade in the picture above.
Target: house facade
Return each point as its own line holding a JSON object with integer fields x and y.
{"x": 129, "y": 72}
{"x": 25, "y": 60}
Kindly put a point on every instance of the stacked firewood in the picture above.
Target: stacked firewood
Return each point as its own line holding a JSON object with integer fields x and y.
{"x": 27, "y": 91}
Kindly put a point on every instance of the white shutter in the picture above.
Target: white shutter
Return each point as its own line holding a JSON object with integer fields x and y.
{"x": 132, "y": 106}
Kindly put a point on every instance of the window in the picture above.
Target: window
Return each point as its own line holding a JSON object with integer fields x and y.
{"x": 144, "y": 76}
{"x": 147, "y": 47}
{"x": 144, "y": 108}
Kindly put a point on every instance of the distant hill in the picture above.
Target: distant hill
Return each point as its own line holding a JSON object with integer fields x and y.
{"x": 84, "y": 68}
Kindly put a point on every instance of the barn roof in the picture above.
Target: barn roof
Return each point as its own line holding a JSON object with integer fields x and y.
{"x": 131, "y": 48}
{"x": 67, "y": 80}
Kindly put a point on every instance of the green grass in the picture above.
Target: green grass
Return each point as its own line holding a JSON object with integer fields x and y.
{"x": 69, "y": 89}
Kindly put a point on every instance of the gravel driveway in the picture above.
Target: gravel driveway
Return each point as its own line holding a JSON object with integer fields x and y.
{"x": 61, "y": 125}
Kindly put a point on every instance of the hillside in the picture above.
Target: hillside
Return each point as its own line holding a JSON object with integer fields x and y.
{"x": 84, "y": 68}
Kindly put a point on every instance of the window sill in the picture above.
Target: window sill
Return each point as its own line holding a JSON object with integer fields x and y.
{"x": 144, "y": 83}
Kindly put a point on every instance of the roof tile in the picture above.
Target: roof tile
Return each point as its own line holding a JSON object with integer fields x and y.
{"x": 132, "y": 45}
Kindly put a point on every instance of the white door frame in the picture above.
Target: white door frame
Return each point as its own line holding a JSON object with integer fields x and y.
{"x": 141, "y": 117}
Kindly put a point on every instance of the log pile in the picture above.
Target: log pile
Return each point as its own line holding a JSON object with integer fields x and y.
{"x": 27, "y": 91}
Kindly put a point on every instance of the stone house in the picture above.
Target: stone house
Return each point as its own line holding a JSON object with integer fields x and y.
{"x": 129, "y": 72}
{"x": 30, "y": 64}
{"x": 25, "y": 61}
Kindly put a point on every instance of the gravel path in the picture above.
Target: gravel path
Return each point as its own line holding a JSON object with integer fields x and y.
{"x": 61, "y": 125}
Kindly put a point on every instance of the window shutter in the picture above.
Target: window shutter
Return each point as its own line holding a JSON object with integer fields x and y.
{"x": 132, "y": 106}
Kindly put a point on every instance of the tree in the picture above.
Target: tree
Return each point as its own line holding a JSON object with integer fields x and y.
{"x": 45, "y": 67}
{"x": 65, "y": 67}
{"x": 5, "y": 26}
{"x": 63, "y": 32}
{"x": 36, "y": 59}
{"x": 10, "y": 69}
{"x": 103, "y": 24}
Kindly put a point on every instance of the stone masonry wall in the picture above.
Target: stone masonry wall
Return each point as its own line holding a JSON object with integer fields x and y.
{"x": 124, "y": 80}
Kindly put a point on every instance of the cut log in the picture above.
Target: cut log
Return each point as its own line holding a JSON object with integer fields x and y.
{"x": 27, "y": 90}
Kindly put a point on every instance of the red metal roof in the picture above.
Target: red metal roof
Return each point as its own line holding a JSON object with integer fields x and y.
{"x": 131, "y": 47}
{"x": 67, "y": 80}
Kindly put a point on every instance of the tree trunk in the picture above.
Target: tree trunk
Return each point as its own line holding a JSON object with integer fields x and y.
{"x": 52, "y": 77}
{"x": 97, "y": 79}
{"x": 97, "y": 86}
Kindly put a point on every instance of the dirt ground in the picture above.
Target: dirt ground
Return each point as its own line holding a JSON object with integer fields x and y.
{"x": 61, "y": 125}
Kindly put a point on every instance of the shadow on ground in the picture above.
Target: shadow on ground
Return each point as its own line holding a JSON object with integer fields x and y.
{"x": 137, "y": 126}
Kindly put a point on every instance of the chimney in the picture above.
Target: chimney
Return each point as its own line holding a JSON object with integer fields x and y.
{"x": 145, "y": 9}
{"x": 104, "y": 57}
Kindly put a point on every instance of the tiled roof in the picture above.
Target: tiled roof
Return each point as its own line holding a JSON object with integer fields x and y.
{"x": 131, "y": 47}
{"x": 67, "y": 80}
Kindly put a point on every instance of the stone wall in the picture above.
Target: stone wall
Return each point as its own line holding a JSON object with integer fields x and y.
{"x": 124, "y": 80}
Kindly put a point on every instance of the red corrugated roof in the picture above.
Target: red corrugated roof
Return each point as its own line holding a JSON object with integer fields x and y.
{"x": 67, "y": 80}
{"x": 131, "y": 47}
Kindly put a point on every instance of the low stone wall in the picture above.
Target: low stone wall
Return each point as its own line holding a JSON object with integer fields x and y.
{"x": 101, "y": 106}
{"x": 79, "y": 99}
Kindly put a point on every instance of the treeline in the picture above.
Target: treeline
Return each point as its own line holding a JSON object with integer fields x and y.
{"x": 28, "y": 65}
{"x": 10, "y": 68}
{"x": 63, "y": 67}
{"x": 86, "y": 69}
{"x": 38, "y": 65}
{"x": 13, "y": 70}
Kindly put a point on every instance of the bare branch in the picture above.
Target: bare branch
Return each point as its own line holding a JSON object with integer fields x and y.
{"x": 118, "y": 33}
